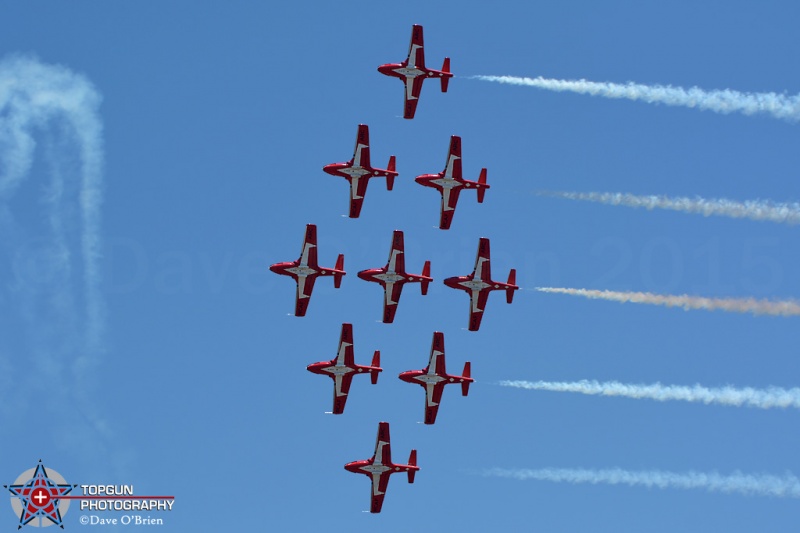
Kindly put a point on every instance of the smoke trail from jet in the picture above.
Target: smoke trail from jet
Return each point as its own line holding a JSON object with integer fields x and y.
{"x": 720, "y": 101}
{"x": 786, "y": 486}
{"x": 51, "y": 159}
{"x": 752, "y": 209}
{"x": 768, "y": 398}
{"x": 35, "y": 96}
{"x": 735, "y": 305}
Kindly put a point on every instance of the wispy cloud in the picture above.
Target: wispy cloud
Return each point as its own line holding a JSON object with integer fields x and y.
{"x": 720, "y": 101}
{"x": 770, "y": 397}
{"x": 785, "y": 213}
{"x": 735, "y": 305}
{"x": 785, "y": 486}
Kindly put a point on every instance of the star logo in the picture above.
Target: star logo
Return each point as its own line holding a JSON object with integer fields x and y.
{"x": 36, "y": 496}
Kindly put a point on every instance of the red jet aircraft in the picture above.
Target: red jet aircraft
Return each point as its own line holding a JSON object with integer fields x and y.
{"x": 380, "y": 467}
{"x": 479, "y": 284}
{"x": 305, "y": 270}
{"x": 393, "y": 276}
{"x": 358, "y": 171}
{"x": 342, "y": 368}
{"x": 449, "y": 183}
{"x": 434, "y": 377}
{"x": 412, "y": 72}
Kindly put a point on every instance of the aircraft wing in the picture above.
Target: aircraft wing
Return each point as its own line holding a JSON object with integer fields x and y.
{"x": 305, "y": 285}
{"x": 341, "y": 386}
{"x": 358, "y": 188}
{"x": 453, "y": 167}
{"x": 383, "y": 451}
{"x": 361, "y": 151}
{"x": 436, "y": 362}
{"x": 392, "y": 292}
{"x": 483, "y": 268}
{"x": 411, "y": 95}
{"x": 478, "y": 304}
{"x": 308, "y": 254}
{"x": 416, "y": 50}
{"x": 449, "y": 201}
{"x": 397, "y": 261}
{"x": 433, "y": 396}
{"x": 345, "y": 354}
{"x": 380, "y": 482}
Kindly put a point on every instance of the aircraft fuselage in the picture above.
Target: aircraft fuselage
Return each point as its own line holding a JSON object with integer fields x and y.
{"x": 349, "y": 171}
{"x": 403, "y": 71}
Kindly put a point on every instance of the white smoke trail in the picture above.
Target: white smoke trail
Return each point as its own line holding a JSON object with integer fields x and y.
{"x": 720, "y": 101}
{"x": 761, "y": 398}
{"x": 56, "y": 291}
{"x": 752, "y": 209}
{"x": 33, "y": 94}
{"x": 786, "y": 486}
{"x": 736, "y": 305}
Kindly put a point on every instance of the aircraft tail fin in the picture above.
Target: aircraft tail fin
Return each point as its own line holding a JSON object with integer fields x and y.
{"x": 446, "y": 70}
{"x": 412, "y": 461}
{"x": 337, "y": 277}
{"x": 466, "y": 374}
{"x": 390, "y": 177}
{"x": 481, "y": 181}
{"x": 512, "y": 280}
{"x": 426, "y": 272}
{"x": 376, "y": 362}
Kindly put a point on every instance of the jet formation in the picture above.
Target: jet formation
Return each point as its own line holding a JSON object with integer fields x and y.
{"x": 393, "y": 276}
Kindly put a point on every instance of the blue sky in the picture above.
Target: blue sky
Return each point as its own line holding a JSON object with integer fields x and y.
{"x": 217, "y": 119}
